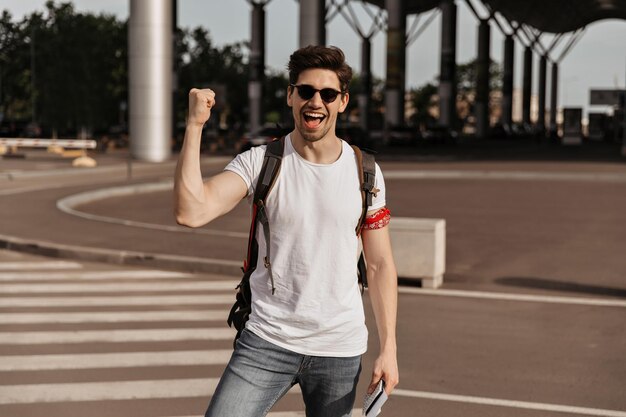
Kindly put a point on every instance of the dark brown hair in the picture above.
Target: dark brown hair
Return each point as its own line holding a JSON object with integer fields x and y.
{"x": 315, "y": 56}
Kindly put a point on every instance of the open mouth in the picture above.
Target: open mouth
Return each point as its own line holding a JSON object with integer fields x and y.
{"x": 313, "y": 119}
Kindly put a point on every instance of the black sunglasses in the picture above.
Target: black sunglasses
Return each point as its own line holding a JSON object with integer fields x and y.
{"x": 306, "y": 92}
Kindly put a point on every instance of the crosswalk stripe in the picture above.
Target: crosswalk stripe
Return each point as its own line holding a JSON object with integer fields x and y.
{"x": 115, "y": 390}
{"x": 113, "y": 316}
{"x": 46, "y": 265}
{"x": 116, "y": 336}
{"x": 355, "y": 412}
{"x": 118, "y": 287}
{"x": 114, "y": 360}
{"x": 90, "y": 275}
{"x": 121, "y": 300}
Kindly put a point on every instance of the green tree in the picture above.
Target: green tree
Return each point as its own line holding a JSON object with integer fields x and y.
{"x": 422, "y": 99}
{"x": 81, "y": 68}
{"x": 275, "y": 98}
{"x": 202, "y": 65}
{"x": 466, "y": 79}
{"x": 15, "y": 89}
{"x": 81, "y": 74}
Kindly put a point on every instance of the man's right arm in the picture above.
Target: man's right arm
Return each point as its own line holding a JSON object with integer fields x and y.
{"x": 197, "y": 202}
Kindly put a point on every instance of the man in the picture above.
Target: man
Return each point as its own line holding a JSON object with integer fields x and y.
{"x": 307, "y": 327}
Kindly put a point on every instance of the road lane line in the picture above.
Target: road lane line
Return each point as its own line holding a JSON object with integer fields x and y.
{"x": 91, "y": 275}
{"x": 602, "y": 302}
{"x": 504, "y": 175}
{"x": 114, "y": 360}
{"x": 45, "y": 265}
{"x": 116, "y": 336}
{"x": 69, "y": 204}
{"x": 510, "y": 403}
{"x": 118, "y": 287}
{"x": 118, "y": 300}
{"x": 113, "y": 316}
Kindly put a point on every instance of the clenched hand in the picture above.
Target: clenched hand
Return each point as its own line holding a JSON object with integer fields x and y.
{"x": 200, "y": 104}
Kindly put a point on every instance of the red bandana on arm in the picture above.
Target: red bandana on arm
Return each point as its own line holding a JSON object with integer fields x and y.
{"x": 377, "y": 220}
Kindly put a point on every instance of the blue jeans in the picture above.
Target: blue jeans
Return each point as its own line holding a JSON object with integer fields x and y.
{"x": 260, "y": 373}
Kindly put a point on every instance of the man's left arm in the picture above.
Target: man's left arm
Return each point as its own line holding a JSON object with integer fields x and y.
{"x": 383, "y": 291}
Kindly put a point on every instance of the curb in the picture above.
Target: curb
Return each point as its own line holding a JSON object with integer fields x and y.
{"x": 154, "y": 260}
{"x": 17, "y": 174}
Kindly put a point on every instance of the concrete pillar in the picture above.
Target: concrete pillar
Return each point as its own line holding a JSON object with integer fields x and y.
{"x": 257, "y": 67}
{"x": 623, "y": 121}
{"x": 554, "y": 91}
{"x": 527, "y": 85}
{"x": 312, "y": 22}
{"x": 447, "y": 65}
{"x": 174, "y": 67}
{"x": 507, "y": 82}
{"x": 541, "y": 115}
{"x": 150, "y": 63}
{"x": 396, "y": 63}
{"x": 366, "y": 80}
{"x": 481, "y": 104}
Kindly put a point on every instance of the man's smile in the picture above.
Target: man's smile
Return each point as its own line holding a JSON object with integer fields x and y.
{"x": 313, "y": 119}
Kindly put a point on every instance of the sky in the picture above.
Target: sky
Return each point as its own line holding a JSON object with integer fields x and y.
{"x": 597, "y": 61}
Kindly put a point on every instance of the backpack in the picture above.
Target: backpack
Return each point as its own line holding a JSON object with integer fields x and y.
{"x": 241, "y": 309}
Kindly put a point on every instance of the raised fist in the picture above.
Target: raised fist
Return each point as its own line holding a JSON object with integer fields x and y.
{"x": 200, "y": 104}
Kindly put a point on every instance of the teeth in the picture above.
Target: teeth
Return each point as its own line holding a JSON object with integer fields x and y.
{"x": 311, "y": 114}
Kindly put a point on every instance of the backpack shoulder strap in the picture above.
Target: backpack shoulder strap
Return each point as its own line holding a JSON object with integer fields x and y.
{"x": 267, "y": 178}
{"x": 366, "y": 165}
{"x": 270, "y": 169}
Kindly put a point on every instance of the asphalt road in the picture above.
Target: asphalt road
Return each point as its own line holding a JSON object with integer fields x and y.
{"x": 530, "y": 320}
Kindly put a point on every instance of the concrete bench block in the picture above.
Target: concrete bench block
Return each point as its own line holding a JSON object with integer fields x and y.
{"x": 419, "y": 249}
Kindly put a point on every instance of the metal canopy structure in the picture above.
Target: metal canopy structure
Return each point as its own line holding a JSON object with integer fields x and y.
{"x": 559, "y": 16}
{"x": 411, "y": 6}
{"x": 553, "y": 16}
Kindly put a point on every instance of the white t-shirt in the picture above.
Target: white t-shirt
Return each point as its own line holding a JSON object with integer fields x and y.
{"x": 313, "y": 210}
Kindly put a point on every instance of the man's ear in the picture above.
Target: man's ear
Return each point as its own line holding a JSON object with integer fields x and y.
{"x": 345, "y": 98}
{"x": 289, "y": 95}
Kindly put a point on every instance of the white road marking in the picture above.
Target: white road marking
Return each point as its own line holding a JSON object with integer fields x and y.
{"x": 504, "y": 175}
{"x": 69, "y": 204}
{"x": 516, "y": 297}
{"x": 355, "y": 413}
{"x": 114, "y": 390}
{"x": 512, "y": 404}
{"x": 90, "y": 275}
{"x": 154, "y": 226}
{"x": 45, "y": 265}
{"x": 116, "y": 336}
{"x": 113, "y": 316}
{"x": 118, "y": 300}
{"x": 114, "y": 360}
{"x": 28, "y": 189}
{"x": 118, "y": 287}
